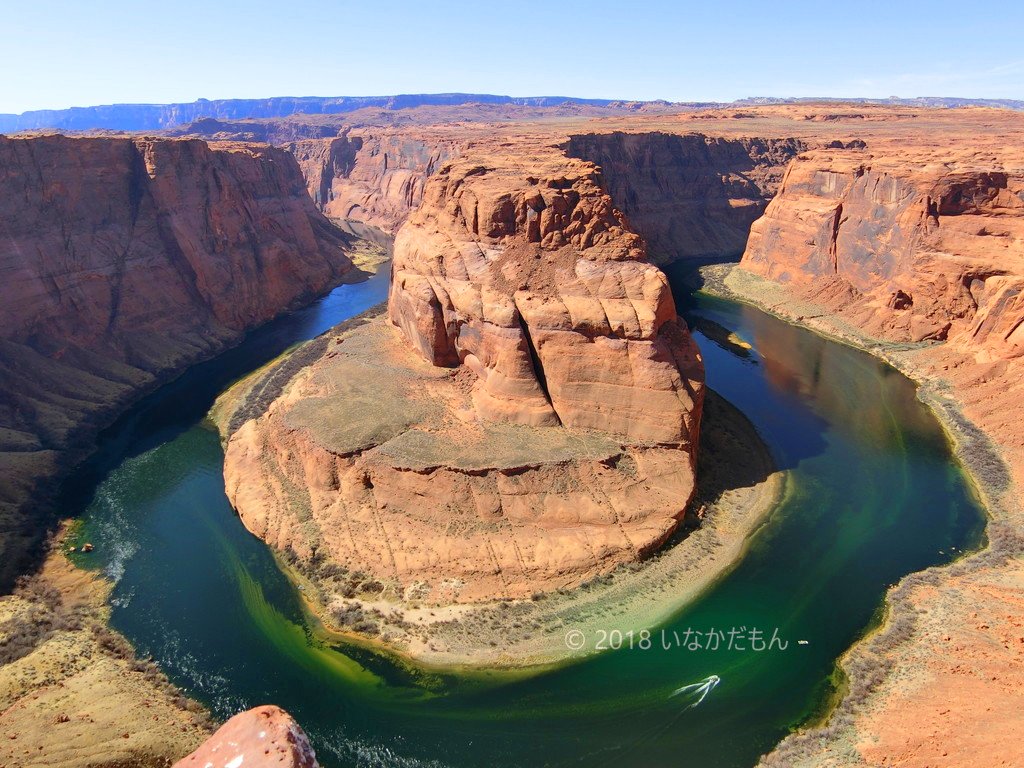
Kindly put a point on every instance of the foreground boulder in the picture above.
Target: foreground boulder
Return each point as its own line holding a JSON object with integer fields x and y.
{"x": 264, "y": 737}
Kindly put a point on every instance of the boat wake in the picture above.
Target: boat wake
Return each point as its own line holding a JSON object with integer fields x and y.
{"x": 697, "y": 691}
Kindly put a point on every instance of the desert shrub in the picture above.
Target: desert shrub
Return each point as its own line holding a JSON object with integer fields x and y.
{"x": 113, "y": 643}
{"x": 46, "y": 616}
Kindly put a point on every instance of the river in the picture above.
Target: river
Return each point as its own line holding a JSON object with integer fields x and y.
{"x": 873, "y": 493}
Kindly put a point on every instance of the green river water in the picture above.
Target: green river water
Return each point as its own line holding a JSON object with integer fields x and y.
{"x": 873, "y": 494}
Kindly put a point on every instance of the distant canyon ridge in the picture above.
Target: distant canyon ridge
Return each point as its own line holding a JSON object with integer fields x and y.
{"x": 153, "y": 117}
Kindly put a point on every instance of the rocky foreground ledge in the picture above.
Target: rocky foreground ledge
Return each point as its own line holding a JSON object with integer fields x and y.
{"x": 264, "y": 737}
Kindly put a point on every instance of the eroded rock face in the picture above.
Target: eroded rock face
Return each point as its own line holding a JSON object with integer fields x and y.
{"x": 692, "y": 196}
{"x": 372, "y": 176}
{"x": 523, "y": 420}
{"x": 536, "y": 284}
{"x": 906, "y": 248}
{"x": 123, "y": 261}
{"x": 264, "y": 737}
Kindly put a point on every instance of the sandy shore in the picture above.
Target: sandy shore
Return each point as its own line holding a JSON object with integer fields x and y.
{"x": 940, "y": 681}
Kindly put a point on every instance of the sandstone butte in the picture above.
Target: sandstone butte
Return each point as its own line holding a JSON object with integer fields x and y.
{"x": 123, "y": 260}
{"x": 895, "y": 228}
{"x": 550, "y": 431}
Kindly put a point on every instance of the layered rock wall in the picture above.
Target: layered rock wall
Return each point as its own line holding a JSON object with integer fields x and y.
{"x": 690, "y": 195}
{"x": 906, "y": 251}
{"x": 122, "y": 261}
{"x": 375, "y": 177}
{"x": 536, "y": 283}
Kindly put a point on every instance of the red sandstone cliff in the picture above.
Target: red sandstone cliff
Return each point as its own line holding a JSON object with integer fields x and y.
{"x": 906, "y": 248}
{"x": 533, "y": 280}
{"x": 691, "y": 195}
{"x": 373, "y": 176}
{"x": 124, "y": 260}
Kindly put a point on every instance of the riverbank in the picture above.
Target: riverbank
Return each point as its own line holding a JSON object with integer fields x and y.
{"x": 72, "y": 692}
{"x": 939, "y": 681}
{"x": 737, "y": 489}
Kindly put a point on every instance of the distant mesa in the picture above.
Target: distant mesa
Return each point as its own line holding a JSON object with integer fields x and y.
{"x": 155, "y": 117}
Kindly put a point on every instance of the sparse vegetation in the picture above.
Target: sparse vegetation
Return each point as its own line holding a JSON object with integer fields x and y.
{"x": 45, "y": 615}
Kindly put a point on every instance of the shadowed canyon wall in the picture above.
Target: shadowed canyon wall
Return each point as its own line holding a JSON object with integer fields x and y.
{"x": 690, "y": 196}
{"x": 373, "y": 175}
{"x": 123, "y": 261}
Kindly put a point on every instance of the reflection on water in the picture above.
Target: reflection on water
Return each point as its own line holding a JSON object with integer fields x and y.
{"x": 872, "y": 495}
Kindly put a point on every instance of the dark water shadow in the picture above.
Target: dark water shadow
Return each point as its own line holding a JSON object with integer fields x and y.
{"x": 732, "y": 454}
{"x": 752, "y": 357}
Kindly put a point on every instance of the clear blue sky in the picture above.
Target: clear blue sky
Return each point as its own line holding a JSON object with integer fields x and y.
{"x": 57, "y": 53}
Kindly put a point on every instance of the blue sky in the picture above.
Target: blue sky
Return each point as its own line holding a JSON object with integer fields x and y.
{"x": 55, "y": 53}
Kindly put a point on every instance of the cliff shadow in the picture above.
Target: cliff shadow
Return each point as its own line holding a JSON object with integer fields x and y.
{"x": 690, "y": 196}
{"x": 732, "y": 455}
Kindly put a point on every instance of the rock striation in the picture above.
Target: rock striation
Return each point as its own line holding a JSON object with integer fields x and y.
{"x": 537, "y": 285}
{"x": 528, "y": 421}
{"x": 123, "y": 261}
{"x": 372, "y": 176}
{"x": 905, "y": 248}
{"x": 264, "y": 737}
